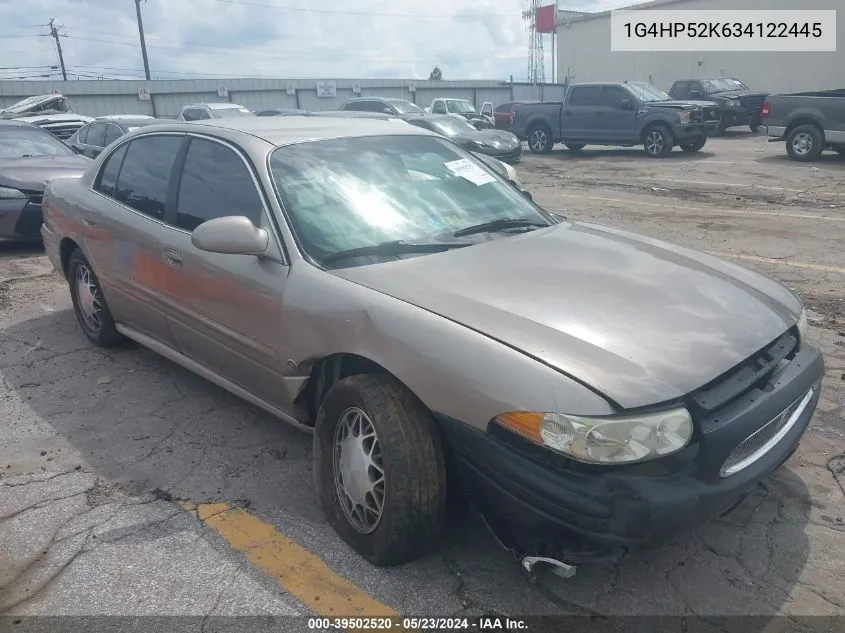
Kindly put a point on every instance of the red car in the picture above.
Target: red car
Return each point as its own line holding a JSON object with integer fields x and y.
{"x": 505, "y": 113}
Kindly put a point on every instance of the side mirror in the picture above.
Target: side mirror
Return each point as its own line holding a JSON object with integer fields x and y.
{"x": 627, "y": 104}
{"x": 231, "y": 235}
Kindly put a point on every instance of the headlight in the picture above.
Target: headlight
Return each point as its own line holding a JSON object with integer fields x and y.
{"x": 685, "y": 116}
{"x": 803, "y": 326}
{"x": 7, "y": 193}
{"x": 605, "y": 440}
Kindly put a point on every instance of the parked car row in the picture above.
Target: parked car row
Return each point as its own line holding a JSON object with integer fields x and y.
{"x": 376, "y": 284}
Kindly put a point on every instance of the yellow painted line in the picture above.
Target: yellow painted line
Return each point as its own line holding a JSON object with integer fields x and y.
{"x": 803, "y": 216}
{"x": 782, "y": 262}
{"x": 297, "y": 570}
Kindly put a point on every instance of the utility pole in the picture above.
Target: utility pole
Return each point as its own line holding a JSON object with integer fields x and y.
{"x": 143, "y": 41}
{"x": 55, "y": 33}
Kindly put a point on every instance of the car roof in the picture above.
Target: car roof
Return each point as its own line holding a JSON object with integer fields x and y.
{"x": 17, "y": 123}
{"x": 127, "y": 120}
{"x": 434, "y": 117}
{"x": 122, "y": 117}
{"x": 287, "y": 130}
{"x": 216, "y": 105}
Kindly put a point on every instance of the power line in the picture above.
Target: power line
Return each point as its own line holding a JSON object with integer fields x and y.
{"x": 475, "y": 16}
{"x": 182, "y": 46}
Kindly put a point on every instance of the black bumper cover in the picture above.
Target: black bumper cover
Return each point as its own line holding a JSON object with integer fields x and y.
{"x": 630, "y": 506}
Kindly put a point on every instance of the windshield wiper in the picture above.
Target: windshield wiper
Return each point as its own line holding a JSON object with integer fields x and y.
{"x": 396, "y": 247}
{"x": 499, "y": 225}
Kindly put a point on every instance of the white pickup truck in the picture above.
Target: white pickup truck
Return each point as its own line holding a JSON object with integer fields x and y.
{"x": 51, "y": 112}
{"x": 460, "y": 107}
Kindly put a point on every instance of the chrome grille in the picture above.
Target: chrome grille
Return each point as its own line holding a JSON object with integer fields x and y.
{"x": 712, "y": 114}
{"x": 763, "y": 440}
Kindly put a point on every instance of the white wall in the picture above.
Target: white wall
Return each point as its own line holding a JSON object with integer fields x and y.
{"x": 584, "y": 55}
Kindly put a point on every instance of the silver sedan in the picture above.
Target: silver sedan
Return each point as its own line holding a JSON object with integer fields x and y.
{"x": 590, "y": 390}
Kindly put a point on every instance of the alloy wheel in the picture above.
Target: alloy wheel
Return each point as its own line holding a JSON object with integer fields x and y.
{"x": 89, "y": 298}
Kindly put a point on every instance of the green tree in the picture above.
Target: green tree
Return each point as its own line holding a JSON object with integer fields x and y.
{"x": 436, "y": 74}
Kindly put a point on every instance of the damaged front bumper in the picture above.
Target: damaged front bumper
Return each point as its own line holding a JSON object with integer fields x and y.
{"x": 542, "y": 503}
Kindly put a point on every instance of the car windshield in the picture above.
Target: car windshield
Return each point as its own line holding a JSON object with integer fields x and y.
{"x": 25, "y": 141}
{"x": 723, "y": 85}
{"x": 452, "y": 126}
{"x": 648, "y": 93}
{"x": 458, "y": 105}
{"x": 406, "y": 107}
{"x": 230, "y": 113}
{"x": 351, "y": 193}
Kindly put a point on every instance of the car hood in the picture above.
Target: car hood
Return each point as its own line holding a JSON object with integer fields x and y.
{"x": 33, "y": 173}
{"x": 639, "y": 320}
{"x": 675, "y": 105}
{"x": 489, "y": 137}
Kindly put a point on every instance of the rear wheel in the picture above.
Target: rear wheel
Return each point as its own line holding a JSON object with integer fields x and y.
{"x": 696, "y": 146}
{"x": 805, "y": 143}
{"x": 540, "y": 139}
{"x": 90, "y": 306}
{"x": 754, "y": 128}
{"x": 574, "y": 147}
{"x": 379, "y": 469}
{"x": 658, "y": 141}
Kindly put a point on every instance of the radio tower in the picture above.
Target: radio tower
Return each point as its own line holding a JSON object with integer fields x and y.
{"x": 536, "y": 70}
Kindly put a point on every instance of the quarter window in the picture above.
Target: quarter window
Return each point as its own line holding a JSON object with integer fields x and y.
{"x": 145, "y": 175}
{"x": 215, "y": 183}
{"x": 108, "y": 176}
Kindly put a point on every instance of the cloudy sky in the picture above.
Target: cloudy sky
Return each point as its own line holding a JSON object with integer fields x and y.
{"x": 474, "y": 39}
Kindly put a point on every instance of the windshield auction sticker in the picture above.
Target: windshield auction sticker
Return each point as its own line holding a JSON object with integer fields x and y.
{"x": 467, "y": 170}
{"x": 730, "y": 31}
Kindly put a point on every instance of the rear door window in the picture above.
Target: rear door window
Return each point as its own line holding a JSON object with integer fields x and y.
{"x": 96, "y": 135}
{"x": 585, "y": 96}
{"x": 112, "y": 134}
{"x": 145, "y": 176}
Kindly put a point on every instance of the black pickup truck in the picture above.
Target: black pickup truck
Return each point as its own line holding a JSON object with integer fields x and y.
{"x": 740, "y": 105}
{"x": 809, "y": 122}
{"x": 618, "y": 114}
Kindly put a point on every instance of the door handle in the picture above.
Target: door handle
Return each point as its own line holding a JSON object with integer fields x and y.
{"x": 87, "y": 221}
{"x": 172, "y": 258}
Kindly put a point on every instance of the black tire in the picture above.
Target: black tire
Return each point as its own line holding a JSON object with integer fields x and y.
{"x": 540, "y": 139}
{"x": 804, "y": 143}
{"x": 721, "y": 129}
{"x": 658, "y": 141}
{"x": 754, "y": 128}
{"x": 575, "y": 147}
{"x": 106, "y": 334}
{"x": 412, "y": 463}
{"x": 840, "y": 149}
{"x": 695, "y": 147}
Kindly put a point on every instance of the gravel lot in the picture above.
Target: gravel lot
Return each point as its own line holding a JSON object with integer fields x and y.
{"x": 96, "y": 447}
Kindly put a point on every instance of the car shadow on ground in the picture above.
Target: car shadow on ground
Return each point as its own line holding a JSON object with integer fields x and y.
{"x": 144, "y": 423}
{"x": 623, "y": 154}
{"x": 21, "y": 249}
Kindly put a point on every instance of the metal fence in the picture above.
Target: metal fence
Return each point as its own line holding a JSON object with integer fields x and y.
{"x": 166, "y": 98}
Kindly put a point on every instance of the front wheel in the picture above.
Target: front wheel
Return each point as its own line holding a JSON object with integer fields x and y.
{"x": 540, "y": 139}
{"x": 658, "y": 141}
{"x": 379, "y": 469}
{"x": 695, "y": 146}
{"x": 90, "y": 305}
{"x": 805, "y": 143}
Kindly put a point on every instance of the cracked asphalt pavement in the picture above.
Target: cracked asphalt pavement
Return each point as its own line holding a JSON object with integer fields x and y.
{"x": 97, "y": 449}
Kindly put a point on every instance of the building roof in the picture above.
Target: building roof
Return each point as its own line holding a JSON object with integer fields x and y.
{"x": 569, "y": 18}
{"x": 295, "y": 129}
